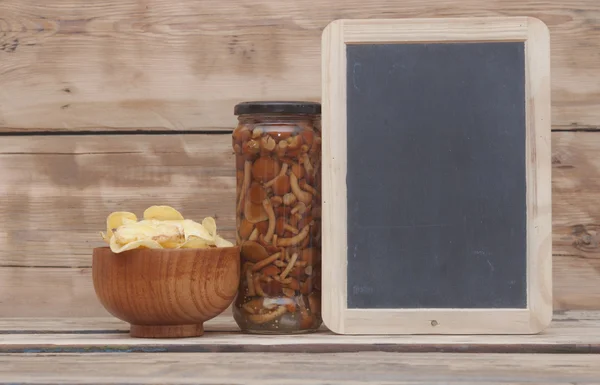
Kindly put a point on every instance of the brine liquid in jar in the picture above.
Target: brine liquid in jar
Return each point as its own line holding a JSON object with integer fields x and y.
{"x": 277, "y": 149}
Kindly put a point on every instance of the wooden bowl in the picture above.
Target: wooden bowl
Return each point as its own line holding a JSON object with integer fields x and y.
{"x": 166, "y": 293}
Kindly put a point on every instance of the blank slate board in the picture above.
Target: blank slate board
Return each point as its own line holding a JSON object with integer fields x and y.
{"x": 436, "y": 176}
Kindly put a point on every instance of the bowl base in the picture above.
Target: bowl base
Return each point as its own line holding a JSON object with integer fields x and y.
{"x": 166, "y": 331}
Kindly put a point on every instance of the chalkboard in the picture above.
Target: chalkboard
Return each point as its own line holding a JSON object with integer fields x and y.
{"x": 443, "y": 204}
{"x": 449, "y": 142}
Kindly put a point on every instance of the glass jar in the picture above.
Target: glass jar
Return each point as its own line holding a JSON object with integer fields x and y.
{"x": 277, "y": 149}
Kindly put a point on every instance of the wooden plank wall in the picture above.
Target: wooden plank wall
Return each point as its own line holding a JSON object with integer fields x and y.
{"x": 121, "y": 104}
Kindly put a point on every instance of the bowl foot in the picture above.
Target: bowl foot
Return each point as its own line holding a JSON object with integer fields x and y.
{"x": 166, "y": 331}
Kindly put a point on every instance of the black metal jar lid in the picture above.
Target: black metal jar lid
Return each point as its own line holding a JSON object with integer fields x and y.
{"x": 273, "y": 107}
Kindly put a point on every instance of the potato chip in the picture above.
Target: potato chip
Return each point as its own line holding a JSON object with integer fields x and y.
{"x": 195, "y": 243}
{"x": 127, "y": 221}
{"x": 134, "y": 232}
{"x": 221, "y": 242}
{"x": 115, "y": 220}
{"x": 170, "y": 234}
{"x": 195, "y": 229}
{"x": 210, "y": 225}
{"x": 162, "y": 213}
{"x": 142, "y": 243}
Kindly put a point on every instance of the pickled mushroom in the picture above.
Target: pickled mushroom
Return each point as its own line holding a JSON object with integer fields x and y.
{"x": 256, "y": 193}
{"x": 282, "y": 185}
{"x": 265, "y": 168}
{"x": 252, "y": 251}
{"x": 255, "y": 213}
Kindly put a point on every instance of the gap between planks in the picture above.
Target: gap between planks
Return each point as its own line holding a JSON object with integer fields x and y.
{"x": 116, "y": 131}
{"x": 8, "y": 131}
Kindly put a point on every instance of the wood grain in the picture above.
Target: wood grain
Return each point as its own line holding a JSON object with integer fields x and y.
{"x": 312, "y": 369}
{"x": 38, "y": 325}
{"x": 538, "y": 173}
{"x": 573, "y": 332}
{"x": 420, "y": 30}
{"x": 57, "y": 192}
{"x": 334, "y": 151}
{"x": 53, "y": 292}
{"x": 576, "y": 219}
{"x": 182, "y": 65}
{"x": 166, "y": 293}
{"x": 563, "y": 320}
{"x": 38, "y": 292}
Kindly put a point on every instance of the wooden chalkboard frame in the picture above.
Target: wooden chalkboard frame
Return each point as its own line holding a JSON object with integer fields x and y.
{"x": 538, "y": 313}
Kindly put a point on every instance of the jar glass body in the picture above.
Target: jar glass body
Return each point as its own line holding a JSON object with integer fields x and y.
{"x": 278, "y": 222}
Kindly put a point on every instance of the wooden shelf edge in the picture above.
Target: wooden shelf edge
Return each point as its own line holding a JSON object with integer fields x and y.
{"x": 569, "y": 332}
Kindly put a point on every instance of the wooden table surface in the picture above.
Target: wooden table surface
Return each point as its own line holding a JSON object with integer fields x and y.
{"x": 99, "y": 350}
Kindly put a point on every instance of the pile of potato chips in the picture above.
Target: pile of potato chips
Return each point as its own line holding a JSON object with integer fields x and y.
{"x": 162, "y": 227}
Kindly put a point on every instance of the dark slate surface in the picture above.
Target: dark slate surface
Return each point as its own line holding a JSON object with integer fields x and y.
{"x": 436, "y": 176}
